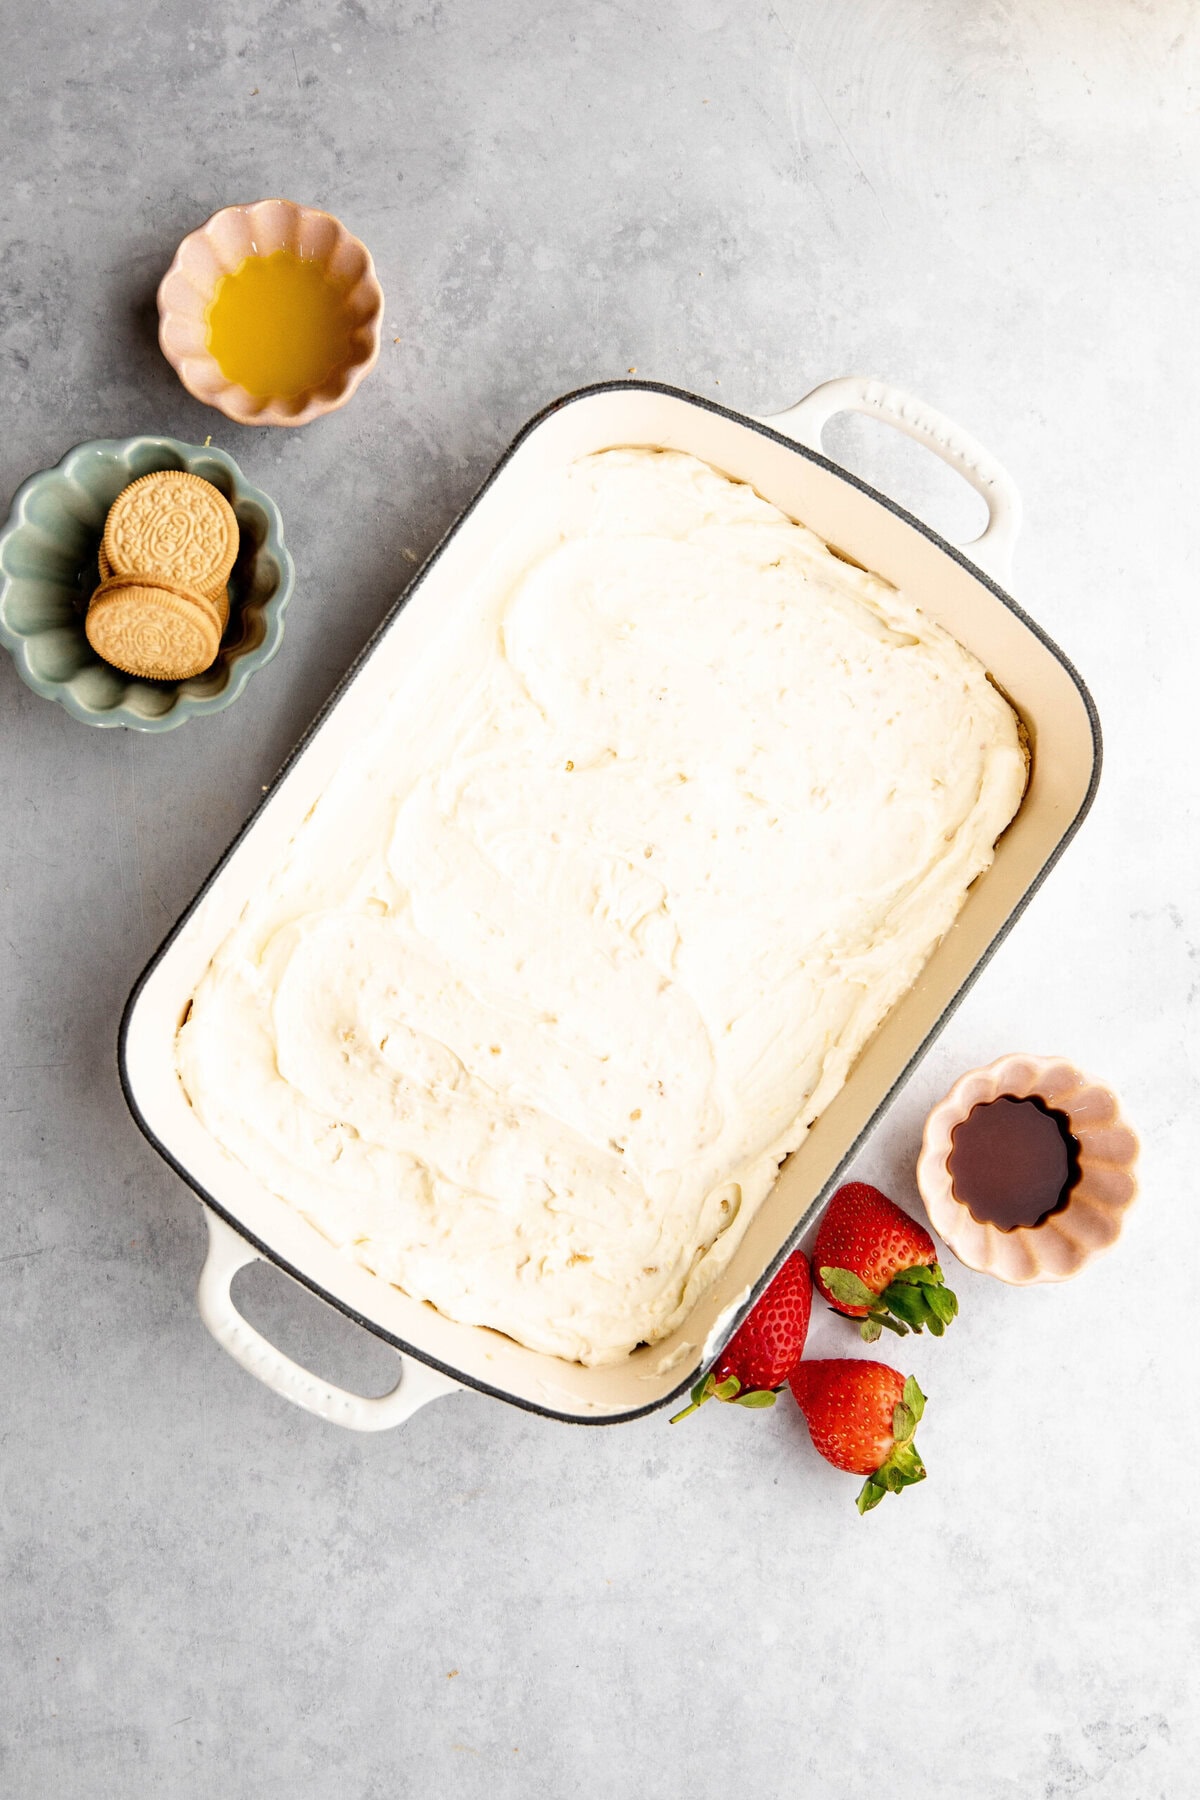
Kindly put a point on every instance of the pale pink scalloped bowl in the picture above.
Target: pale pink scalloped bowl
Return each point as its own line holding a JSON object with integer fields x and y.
{"x": 1092, "y": 1219}
{"x": 221, "y": 245}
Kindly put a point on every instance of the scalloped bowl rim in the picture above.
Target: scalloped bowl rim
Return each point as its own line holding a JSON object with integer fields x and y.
{"x": 241, "y": 668}
{"x": 226, "y": 396}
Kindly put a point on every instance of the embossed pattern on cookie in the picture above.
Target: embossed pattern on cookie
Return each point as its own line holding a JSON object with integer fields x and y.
{"x": 153, "y": 630}
{"x": 175, "y": 525}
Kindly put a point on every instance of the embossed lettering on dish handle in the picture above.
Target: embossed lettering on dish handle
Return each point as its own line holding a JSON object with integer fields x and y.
{"x": 993, "y": 549}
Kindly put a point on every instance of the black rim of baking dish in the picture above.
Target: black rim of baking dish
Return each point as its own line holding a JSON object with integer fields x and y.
{"x": 271, "y": 1255}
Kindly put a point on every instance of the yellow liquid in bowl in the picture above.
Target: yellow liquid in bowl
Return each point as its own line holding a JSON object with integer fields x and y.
{"x": 277, "y": 325}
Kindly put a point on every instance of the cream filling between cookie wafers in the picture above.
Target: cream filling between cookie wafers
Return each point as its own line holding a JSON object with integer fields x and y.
{"x": 594, "y": 921}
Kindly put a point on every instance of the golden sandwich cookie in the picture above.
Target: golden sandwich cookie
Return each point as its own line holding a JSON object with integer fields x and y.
{"x": 172, "y": 526}
{"x": 155, "y": 629}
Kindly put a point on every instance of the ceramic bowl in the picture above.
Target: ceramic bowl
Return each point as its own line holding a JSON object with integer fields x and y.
{"x": 221, "y": 245}
{"x": 48, "y": 571}
{"x": 1091, "y": 1221}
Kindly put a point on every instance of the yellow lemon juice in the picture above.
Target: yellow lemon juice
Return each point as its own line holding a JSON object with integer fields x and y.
{"x": 278, "y": 326}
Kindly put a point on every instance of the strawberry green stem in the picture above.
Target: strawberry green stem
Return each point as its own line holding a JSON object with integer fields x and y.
{"x": 914, "y": 1299}
{"x": 709, "y": 1389}
{"x": 902, "y": 1467}
{"x": 729, "y": 1389}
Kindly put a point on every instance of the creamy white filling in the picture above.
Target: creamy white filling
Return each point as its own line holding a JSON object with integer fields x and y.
{"x": 594, "y": 922}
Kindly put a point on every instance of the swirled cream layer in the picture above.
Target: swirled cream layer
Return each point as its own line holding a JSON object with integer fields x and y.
{"x": 594, "y": 921}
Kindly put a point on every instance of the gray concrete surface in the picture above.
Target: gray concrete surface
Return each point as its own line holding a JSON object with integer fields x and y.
{"x": 206, "y": 1593}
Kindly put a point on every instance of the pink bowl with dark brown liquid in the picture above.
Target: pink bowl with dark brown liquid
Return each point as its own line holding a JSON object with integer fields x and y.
{"x": 1093, "y": 1213}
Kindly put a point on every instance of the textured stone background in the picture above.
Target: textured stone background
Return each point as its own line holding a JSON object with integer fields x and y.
{"x": 206, "y": 1593}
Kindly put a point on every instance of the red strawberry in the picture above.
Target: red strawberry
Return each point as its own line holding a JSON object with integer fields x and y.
{"x": 875, "y": 1263}
{"x": 861, "y": 1416}
{"x": 766, "y": 1346}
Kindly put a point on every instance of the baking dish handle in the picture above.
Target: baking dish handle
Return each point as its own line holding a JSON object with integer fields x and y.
{"x": 992, "y": 550}
{"x": 227, "y": 1253}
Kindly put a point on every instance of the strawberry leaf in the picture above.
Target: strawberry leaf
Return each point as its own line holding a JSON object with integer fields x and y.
{"x": 919, "y": 1276}
{"x": 914, "y": 1399}
{"x": 918, "y": 1296}
{"x": 756, "y": 1397}
{"x": 870, "y": 1494}
{"x": 904, "y": 1465}
{"x": 901, "y": 1469}
{"x": 847, "y": 1288}
{"x": 907, "y": 1303}
{"x": 942, "y": 1303}
{"x": 903, "y": 1423}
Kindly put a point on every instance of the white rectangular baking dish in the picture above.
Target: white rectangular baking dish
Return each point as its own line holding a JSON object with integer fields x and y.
{"x": 781, "y": 459}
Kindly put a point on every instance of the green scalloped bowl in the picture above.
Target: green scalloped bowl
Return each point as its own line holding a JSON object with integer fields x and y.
{"x": 48, "y": 571}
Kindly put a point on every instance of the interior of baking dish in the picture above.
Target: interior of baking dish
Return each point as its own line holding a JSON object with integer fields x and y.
{"x": 1063, "y": 738}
